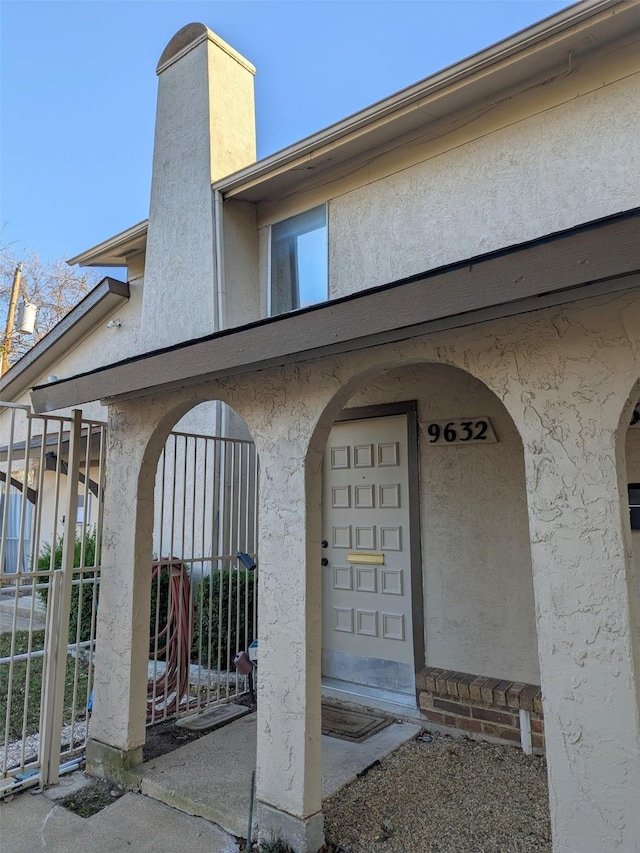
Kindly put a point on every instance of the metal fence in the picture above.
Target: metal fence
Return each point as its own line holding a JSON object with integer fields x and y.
{"x": 203, "y": 599}
{"x": 52, "y": 488}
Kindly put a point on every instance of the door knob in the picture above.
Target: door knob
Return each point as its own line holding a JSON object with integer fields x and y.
{"x": 324, "y": 562}
{"x": 324, "y": 543}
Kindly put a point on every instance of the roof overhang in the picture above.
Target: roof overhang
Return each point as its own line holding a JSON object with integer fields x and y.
{"x": 105, "y": 298}
{"x": 56, "y": 443}
{"x": 116, "y": 251}
{"x": 441, "y": 103}
{"x": 594, "y": 258}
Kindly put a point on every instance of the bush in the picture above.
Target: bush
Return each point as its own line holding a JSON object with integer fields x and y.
{"x": 86, "y": 604}
{"x": 223, "y": 584}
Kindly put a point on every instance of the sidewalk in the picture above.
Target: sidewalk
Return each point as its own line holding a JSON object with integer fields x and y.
{"x": 34, "y": 822}
{"x": 24, "y": 608}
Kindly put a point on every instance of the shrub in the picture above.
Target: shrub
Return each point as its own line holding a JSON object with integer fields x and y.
{"x": 86, "y": 603}
{"x": 218, "y": 591}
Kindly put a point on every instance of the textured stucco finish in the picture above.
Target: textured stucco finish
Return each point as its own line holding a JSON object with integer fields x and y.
{"x": 242, "y": 291}
{"x": 502, "y": 178}
{"x": 495, "y": 191}
{"x": 204, "y": 130}
{"x": 564, "y": 376}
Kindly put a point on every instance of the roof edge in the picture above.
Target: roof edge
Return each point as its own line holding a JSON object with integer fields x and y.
{"x": 105, "y": 297}
{"x": 452, "y": 74}
{"x": 119, "y": 245}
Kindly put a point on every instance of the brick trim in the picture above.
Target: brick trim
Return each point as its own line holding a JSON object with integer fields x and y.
{"x": 480, "y": 704}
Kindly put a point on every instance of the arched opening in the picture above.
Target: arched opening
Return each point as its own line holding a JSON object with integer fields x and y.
{"x": 203, "y": 602}
{"x": 468, "y": 620}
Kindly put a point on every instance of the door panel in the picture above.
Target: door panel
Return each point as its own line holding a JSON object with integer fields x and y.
{"x": 367, "y": 614}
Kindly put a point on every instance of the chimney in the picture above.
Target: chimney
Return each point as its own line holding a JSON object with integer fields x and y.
{"x": 205, "y": 129}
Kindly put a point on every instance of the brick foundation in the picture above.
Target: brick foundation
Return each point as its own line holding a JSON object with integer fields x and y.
{"x": 480, "y": 704}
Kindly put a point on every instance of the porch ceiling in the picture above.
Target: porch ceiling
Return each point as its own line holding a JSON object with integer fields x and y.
{"x": 596, "y": 257}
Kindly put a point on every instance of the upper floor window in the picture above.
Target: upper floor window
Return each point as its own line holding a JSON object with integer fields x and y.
{"x": 299, "y": 266}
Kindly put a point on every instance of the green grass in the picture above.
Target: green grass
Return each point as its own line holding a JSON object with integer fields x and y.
{"x": 19, "y": 686}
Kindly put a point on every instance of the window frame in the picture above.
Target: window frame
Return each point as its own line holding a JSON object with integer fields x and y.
{"x": 270, "y": 301}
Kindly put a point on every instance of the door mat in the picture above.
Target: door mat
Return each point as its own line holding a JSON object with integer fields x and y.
{"x": 213, "y": 719}
{"x": 354, "y": 726}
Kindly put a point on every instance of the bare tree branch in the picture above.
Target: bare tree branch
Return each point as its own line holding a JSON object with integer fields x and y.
{"x": 54, "y": 287}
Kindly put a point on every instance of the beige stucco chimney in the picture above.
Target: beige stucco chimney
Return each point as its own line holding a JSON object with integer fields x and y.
{"x": 205, "y": 129}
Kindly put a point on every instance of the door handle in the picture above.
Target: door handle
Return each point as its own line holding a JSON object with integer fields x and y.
{"x": 324, "y": 562}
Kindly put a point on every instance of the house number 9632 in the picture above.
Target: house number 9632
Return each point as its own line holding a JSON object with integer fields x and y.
{"x": 470, "y": 430}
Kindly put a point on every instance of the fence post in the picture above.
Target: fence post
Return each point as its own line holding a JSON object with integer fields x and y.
{"x": 58, "y": 623}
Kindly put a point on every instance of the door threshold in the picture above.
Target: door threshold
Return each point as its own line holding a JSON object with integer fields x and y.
{"x": 398, "y": 704}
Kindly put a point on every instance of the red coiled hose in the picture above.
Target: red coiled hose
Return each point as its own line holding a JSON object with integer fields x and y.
{"x": 165, "y": 693}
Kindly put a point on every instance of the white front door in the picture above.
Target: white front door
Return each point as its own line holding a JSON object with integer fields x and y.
{"x": 367, "y": 608}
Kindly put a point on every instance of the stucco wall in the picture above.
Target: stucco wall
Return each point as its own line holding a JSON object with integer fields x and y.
{"x": 510, "y": 186}
{"x": 564, "y": 375}
{"x": 555, "y": 156}
{"x": 242, "y": 293}
{"x": 476, "y": 553}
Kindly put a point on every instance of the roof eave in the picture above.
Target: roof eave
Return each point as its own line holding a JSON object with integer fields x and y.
{"x": 99, "y": 303}
{"x": 116, "y": 251}
{"x": 454, "y": 75}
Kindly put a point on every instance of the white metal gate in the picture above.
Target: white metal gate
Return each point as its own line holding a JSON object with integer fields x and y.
{"x": 51, "y": 488}
{"x": 203, "y": 598}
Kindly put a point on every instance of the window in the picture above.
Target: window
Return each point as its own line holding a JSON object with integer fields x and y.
{"x": 299, "y": 268}
{"x": 634, "y": 505}
{"x": 83, "y": 512}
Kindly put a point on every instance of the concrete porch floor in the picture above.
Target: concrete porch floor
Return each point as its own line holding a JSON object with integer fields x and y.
{"x": 211, "y": 777}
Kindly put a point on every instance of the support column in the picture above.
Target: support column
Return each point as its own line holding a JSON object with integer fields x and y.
{"x": 581, "y": 580}
{"x": 289, "y": 761}
{"x": 120, "y": 688}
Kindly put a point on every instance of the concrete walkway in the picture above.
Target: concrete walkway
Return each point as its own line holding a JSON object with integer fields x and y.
{"x": 31, "y": 823}
{"x": 211, "y": 776}
{"x": 188, "y": 791}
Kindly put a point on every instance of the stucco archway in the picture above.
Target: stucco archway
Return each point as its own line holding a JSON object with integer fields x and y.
{"x": 475, "y": 547}
{"x": 137, "y": 436}
{"x": 203, "y": 597}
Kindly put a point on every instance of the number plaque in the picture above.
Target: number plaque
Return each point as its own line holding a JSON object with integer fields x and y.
{"x": 473, "y": 431}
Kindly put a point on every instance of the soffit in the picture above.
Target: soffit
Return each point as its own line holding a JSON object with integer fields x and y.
{"x": 116, "y": 251}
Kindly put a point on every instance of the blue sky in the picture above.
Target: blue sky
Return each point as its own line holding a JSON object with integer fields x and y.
{"x": 79, "y": 86}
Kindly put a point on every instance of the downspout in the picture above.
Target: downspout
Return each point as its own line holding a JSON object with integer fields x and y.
{"x": 221, "y": 291}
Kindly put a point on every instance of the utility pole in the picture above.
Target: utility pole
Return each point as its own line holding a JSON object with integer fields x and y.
{"x": 8, "y": 335}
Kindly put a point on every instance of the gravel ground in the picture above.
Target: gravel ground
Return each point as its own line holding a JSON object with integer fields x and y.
{"x": 445, "y": 796}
